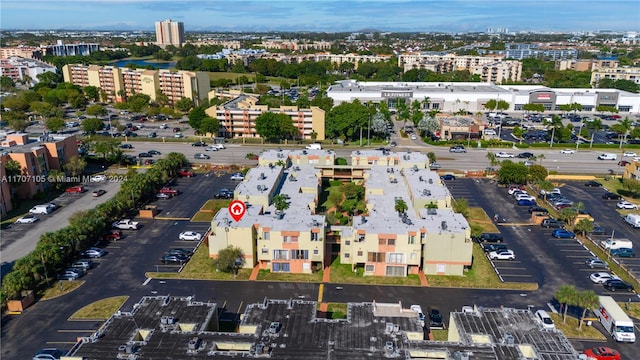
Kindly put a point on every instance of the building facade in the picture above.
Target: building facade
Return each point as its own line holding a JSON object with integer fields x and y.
{"x": 427, "y": 237}
{"x": 617, "y": 73}
{"x": 454, "y": 96}
{"x": 169, "y": 33}
{"x": 27, "y": 52}
{"x": 18, "y": 68}
{"x": 238, "y": 118}
{"x": 62, "y": 49}
{"x": 118, "y": 83}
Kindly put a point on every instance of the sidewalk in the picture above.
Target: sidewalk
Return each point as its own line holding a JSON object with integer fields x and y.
{"x": 254, "y": 273}
{"x": 423, "y": 279}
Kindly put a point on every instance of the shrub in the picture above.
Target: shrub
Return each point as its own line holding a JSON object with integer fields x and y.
{"x": 341, "y": 161}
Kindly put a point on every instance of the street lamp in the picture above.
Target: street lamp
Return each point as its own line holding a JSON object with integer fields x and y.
{"x": 579, "y": 136}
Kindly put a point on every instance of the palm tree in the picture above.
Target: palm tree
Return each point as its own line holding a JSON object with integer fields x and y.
{"x": 594, "y": 126}
{"x": 403, "y": 114}
{"x": 566, "y": 295}
{"x": 556, "y": 122}
{"x": 401, "y": 206}
{"x": 493, "y": 161}
{"x": 280, "y": 203}
{"x": 587, "y": 300}
{"x": 622, "y": 128}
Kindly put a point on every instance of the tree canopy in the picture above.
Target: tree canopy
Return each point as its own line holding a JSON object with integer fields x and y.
{"x": 345, "y": 121}
{"x": 274, "y": 127}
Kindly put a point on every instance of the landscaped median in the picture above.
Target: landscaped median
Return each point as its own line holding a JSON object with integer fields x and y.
{"x": 209, "y": 210}
{"x": 570, "y": 329}
{"x": 100, "y": 310}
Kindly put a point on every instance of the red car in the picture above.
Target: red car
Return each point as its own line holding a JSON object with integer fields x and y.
{"x": 185, "y": 173}
{"x": 78, "y": 189}
{"x": 168, "y": 191}
{"x": 602, "y": 353}
{"x": 113, "y": 235}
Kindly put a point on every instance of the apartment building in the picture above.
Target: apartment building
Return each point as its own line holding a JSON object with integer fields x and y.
{"x": 36, "y": 158}
{"x": 429, "y": 236}
{"x": 17, "y": 68}
{"x": 62, "y": 49}
{"x": 618, "y": 73}
{"x": 295, "y": 45}
{"x": 118, "y": 83}
{"x": 237, "y": 118}
{"x": 586, "y": 65}
{"x": 413, "y": 60}
{"x": 498, "y": 72}
{"x": 169, "y": 33}
{"x": 27, "y": 52}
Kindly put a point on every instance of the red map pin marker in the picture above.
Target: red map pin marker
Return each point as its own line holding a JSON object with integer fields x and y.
{"x": 237, "y": 209}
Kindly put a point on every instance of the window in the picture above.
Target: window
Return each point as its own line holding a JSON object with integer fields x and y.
{"x": 395, "y": 271}
{"x": 360, "y": 238}
{"x": 391, "y": 242}
{"x": 281, "y": 267}
{"x": 265, "y": 251}
{"x": 315, "y": 252}
{"x": 265, "y": 235}
{"x": 314, "y": 236}
{"x": 382, "y": 241}
{"x": 395, "y": 258}
{"x": 290, "y": 239}
{"x": 422, "y": 235}
{"x": 359, "y": 252}
{"x": 280, "y": 255}
{"x": 369, "y": 268}
{"x": 414, "y": 256}
{"x": 347, "y": 255}
{"x": 347, "y": 242}
{"x": 376, "y": 257}
{"x": 300, "y": 254}
{"x": 412, "y": 239}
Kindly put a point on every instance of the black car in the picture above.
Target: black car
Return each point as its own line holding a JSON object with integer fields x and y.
{"x": 616, "y": 284}
{"x": 552, "y": 223}
{"x": 592, "y": 183}
{"x": 494, "y": 247}
{"x": 538, "y": 209}
{"x": 224, "y": 194}
{"x": 448, "y": 177}
{"x": 435, "y": 318}
{"x": 199, "y": 143}
{"x": 611, "y": 196}
{"x": 144, "y": 154}
{"x": 525, "y": 155}
{"x": 126, "y": 146}
{"x": 489, "y": 237}
{"x": 174, "y": 259}
{"x": 180, "y": 251}
{"x": 599, "y": 230}
{"x": 154, "y": 152}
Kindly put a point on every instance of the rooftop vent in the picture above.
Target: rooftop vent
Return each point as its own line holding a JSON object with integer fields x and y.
{"x": 426, "y": 192}
{"x": 420, "y": 178}
{"x": 193, "y": 343}
{"x": 262, "y": 175}
{"x": 304, "y": 152}
{"x": 430, "y": 181}
{"x": 432, "y": 211}
{"x": 394, "y": 181}
{"x": 443, "y": 225}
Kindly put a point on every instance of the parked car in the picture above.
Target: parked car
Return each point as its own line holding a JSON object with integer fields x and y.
{"x": 596, "y": 263}
{"x": 623, "y": 252}
{"x": 190, "y": 236}
{"x": 626, "y": 205}
{"x": 601, "y": 277}
{"x": 224, "y": 194}
{"x": 112, "y": 234}
{"x": 27, "y": 219}
{"x": 447, "y": 177}
{"x": 435, "y": 318}
{"x": 163, "y": 196}
{"x": 181, "y": 251}
{"x": 599, "y": 230}
{"x": 502, "y": 255}
{"x": 494, "y": 247}
{"x": 617, "y": 284}
{"x": 174, "y": 259}
{"x": 611, "y": 196}
{"x": 538, "y": 209}
{"x": 489, "y": 237}
{"x": 185, "y": 173}
{"x": 98, "y": 192}
{"x": 527, "y": 202}
{"x": 602, "y": 353}
{"x": 93, "y": 253}
{"x": 237, "y": 176}
{"x": 201, "y": 156}
{"x": 563, "y": 234}
{"x": 434, "y": 166}
{"x": 592, "y": 183}
{"x": 552, "y": 223}
{"x": 68, "y": 275}
{"x": 48, "y": 354}
{"x": 43, "y": 209}
{"x": 544, "y": 319}
{"x": 78, "y": 189}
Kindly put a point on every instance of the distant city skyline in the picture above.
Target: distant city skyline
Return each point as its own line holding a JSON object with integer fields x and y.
{"x": 325, "y": 15}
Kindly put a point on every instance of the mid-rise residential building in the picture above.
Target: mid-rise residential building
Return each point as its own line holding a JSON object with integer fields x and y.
{"x": 490, "y": 68}
{"x": 27, "y": 52}
{"x": 62, "y": 49}
{"x": 118, "y": 83}
{"x": 586, "y": 64}
{"x": 519, "y": 51}
{"x": 36, "y": 158}
{"x": 295, "y": 45}
{"x": 472, "y": 97}
{"x": 238, "y": 118}
{"x": 427, "y": 237}
{"x": 498, "y": 72}
{"x": 169, "y": 33}
{"x": 617, "y": 73}
{"x": 20, "y": 69}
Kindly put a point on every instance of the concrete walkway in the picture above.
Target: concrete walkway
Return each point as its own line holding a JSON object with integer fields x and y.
{"x": 326, "y": 274}
{"x": 254, "y": 273}
{"x": 423, "y": 279}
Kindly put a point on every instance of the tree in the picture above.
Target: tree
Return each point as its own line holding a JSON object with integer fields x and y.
{"x": 431, "y": 156}
{"x": 229, "y": 260}
{"x": 537, "y": 173}
{"x": 632, "y": 186}
{"x": 566, "y": 295}
{"x": 555, "y": 123}
{"x": 137, "y": 102}
{"x": 54, "y": 124}
{"x": 622, "y": 127}
{"x": 91, "y": 125}
{"x": 195, "y": 117}
{"x": 275, "y": 127}
{"x": 106, "y": 147}
{"x": 594, "y": 126}
{"x": 184, "y": 104}
{"x": 96, "y": 110}
{"x": 518, "y": 131}
{"x": 209, "y": 125}
{"x": 568, "y": 215}
{"x": 429, "y": 125}
{"x": 584, "y": 226}
{"x": 587, "y": 300}
{"x": 56, "y": 177}
{"x": 404, "y": 113}
{"x": 280, "y": 203}
{"x": 379, "y": 124}
{"x": 493, "y": 160}
{"x": 345, "y": 120}
{"x": 416, "y": 113}
{"x": 512, "y": 173}
{"x": 75, "y": 166}
{"x": 6, "y": 83}
{"x": 92, "y": 93}
{"x": 15, "y": 103}
{"x": 17, "y": 120}
{"x": 401, "y": 206}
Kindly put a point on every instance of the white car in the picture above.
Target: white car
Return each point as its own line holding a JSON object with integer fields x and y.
{"x": 177, "y": 135}
{"x": 237, "y": 176}
{"x": 567, "y": 151}
{"x": 211, "y": 148}
{"x": 164, "y": 126}
{"x": 98, "y": 178}
{"x": 601, "y": 277}
{"x": 93, "y": 253}
{"x": 27, "y": 219}
{"x": 629, "y": 154}
{"x": 626, "y": 205}
{"x": 502, "y": 255}
{"x": 524, "y": 196}
{"x": 219, "y": 146}
{"x": 503, "y": 154}
{"x": 190, "y": 236}
{"x": 413, "y": 137}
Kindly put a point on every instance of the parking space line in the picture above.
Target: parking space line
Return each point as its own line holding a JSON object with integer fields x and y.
{"x": 61, "y": 342}
{"x": 516, "y": 275}
{"x": 170, "y": 218}
{"x": 502, "y": 268}
{"x": 146, "y": 281}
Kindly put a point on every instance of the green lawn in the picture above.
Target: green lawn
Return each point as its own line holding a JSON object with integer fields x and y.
{"x": 211, "y": 207}
{"x": 478, "y": 217}
{"x": 342, "y": 274}
{"x": 100, "y": 310}
{"x": 570, "y": 329}
{"x": 288, "y": 277}
{"x": 337, "y": 310}
{"x": 59, "y": 288}
{"x": 440, "y": 335}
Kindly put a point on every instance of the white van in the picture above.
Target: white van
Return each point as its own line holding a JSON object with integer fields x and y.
{"x": 42, "y": 209}
{"x": 611, "y": 244}
{"x": 545, "y": 320}
{"x": 314, "y": 146}
{"x": 633, "y": 220}
{"x": 607, "y": 156}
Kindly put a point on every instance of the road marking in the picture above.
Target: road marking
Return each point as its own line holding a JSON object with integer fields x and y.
{"x": 171, "y": 218}
{"x": 502, "y": 268}
{"x": 320, "y": 292}
{"x": 515, "y": 224}
{"x": 71, "y": 331}
{"x": 146, "y": 281}
{"x": 512, "y": 275}
{"x": 240, "y": 307}
{"x": 61, "y": 342}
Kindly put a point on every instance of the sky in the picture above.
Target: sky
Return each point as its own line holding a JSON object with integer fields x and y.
{"x": 324, "y": 15}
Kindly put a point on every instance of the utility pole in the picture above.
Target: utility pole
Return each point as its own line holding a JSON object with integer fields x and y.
{"x": 369, "y": 132}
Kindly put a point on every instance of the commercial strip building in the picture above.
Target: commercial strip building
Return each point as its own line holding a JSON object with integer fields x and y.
{"x": 17, "y": 68}
{"x": 427, "y": 237}
{"x": 169, "y": 33}
{"x": 36, "y": 158}
{"x": 238, "y": 117}
{"x": 183, "y": 328}
{"x": 118, "y": 83}
{"x": 471, "y": 97}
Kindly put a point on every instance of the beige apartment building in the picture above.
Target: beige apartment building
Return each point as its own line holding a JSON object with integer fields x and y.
{"x": 585, "y": 65}
{"x": 618, "y": 73}
{"x": 36, "y": 159}
{"x": 118, "y": 83}
{"x": 169, "y": 33}
{"x": 295, "y": 45}
{"x": 428, "y": 237}
{"x": 238, "y": 116}
{"x": 490, "y": 68}
{"x": 498, "y": 72}
{"x": 27, "y": 52}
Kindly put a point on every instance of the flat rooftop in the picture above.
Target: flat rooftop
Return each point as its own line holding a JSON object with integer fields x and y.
{"x": 418, "y": 87}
